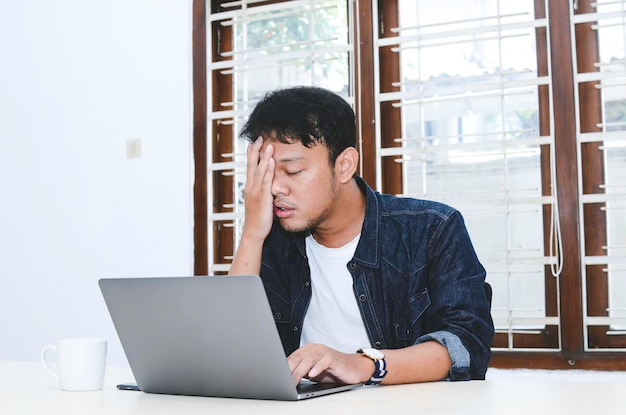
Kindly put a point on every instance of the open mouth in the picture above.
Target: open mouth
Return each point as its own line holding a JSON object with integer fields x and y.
{"x": 282, "y": 211}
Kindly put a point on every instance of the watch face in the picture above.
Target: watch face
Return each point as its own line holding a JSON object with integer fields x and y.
{"x": 373, "y": 353}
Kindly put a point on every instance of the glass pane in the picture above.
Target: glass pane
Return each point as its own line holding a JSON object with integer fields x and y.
{"x": 293, "y": 45}
{"x": 471, "y": 136}
{"x": 615, "y": 176}
{"x": 611, "y": 32}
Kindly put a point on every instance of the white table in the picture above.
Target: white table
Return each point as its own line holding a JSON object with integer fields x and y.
{"x": 26, "y": 388}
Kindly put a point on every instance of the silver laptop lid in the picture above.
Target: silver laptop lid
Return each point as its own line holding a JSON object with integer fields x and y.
{"x": 205, "y": 336}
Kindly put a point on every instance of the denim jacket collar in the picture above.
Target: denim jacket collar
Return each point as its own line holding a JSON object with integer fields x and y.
{"x": 367, "y": 252}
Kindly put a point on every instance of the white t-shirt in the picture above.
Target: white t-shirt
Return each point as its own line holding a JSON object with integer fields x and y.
{"x": 333, "y": 317}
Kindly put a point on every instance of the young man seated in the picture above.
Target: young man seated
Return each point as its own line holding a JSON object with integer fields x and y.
{"x": 364, "y": 287}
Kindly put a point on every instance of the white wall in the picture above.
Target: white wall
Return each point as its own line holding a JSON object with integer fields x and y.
{"x": 77, "y": 79}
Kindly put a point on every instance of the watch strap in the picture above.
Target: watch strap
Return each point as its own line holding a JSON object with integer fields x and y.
{"x": 380, "y": 368}
{"x": 379, "y": 372}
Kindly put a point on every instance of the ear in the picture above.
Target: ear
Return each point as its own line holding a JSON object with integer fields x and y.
{"x": 346, "y": 164}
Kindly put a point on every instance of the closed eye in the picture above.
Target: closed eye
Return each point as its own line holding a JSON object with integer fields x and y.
{"x": 293, "y": 173}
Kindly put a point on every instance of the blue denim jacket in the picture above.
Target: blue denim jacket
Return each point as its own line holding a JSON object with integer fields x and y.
{"x": 416, "y": 278}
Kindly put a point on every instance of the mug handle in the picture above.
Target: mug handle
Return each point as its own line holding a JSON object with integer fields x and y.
{"x": 45, "y": 363}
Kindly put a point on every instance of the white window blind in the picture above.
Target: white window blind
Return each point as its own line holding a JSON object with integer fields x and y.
{"x": 304, "y": 42}
{"x": 470, "y": 137}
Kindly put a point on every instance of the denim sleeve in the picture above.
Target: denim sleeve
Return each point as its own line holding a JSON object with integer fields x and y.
{"x": 459, "y": 306}
{"x": 458, "y": 353}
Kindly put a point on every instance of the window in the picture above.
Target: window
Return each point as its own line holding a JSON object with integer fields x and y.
{"x": 262, "y": 46}
{"x": 468, "y": 97}
{"x": 513, "y": 112}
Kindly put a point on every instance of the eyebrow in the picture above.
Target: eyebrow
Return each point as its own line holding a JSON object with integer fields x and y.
{"x": 290, "y": 159}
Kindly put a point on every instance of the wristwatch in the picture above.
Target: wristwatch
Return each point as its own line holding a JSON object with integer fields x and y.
{"x": 379, "y": 361}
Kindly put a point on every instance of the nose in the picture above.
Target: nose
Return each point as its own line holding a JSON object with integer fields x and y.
{"x": 278, "y": 186}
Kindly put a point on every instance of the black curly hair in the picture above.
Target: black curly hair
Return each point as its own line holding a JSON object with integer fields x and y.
{"x": 307, "y": 114}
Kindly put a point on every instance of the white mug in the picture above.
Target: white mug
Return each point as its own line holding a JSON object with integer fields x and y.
{"x": 80, "y": 363}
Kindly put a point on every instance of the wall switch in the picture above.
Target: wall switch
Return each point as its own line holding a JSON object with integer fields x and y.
{"x": 134, "y": 148}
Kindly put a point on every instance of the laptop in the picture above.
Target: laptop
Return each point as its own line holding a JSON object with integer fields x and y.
{"x": 204, "y": 336}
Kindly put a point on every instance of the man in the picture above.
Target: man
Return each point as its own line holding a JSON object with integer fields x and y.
{"x": 364, "y": 287}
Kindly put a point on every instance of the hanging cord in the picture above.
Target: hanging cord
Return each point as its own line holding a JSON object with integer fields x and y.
{"x": 556, "y": 241}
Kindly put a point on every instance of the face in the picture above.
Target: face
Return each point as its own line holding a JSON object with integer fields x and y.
{"x": 303, "y": 187}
